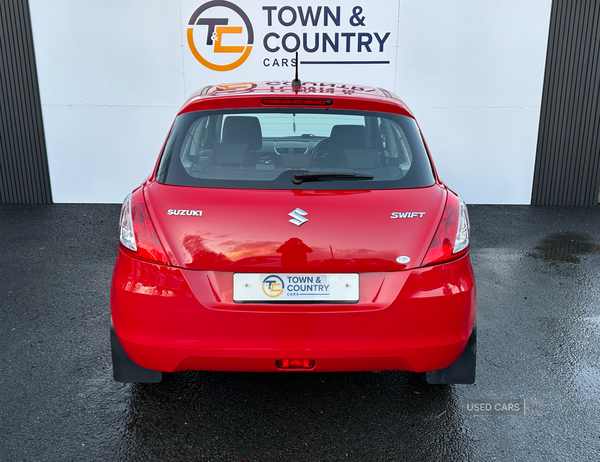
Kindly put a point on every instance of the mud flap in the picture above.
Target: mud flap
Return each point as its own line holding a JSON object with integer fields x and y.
{"x": 463, "y": 370}
{"x": 124, "y": 369}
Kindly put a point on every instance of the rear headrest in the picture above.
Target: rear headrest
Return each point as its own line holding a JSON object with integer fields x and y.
{"x": 348, "y": 137}
{"x": 230, "y": 154}
{"x": 243, "y": 130}
{"x": 361, "y": 159}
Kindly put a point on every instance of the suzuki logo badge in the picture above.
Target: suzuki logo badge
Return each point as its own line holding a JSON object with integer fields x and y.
{"x": 298, "y": 217}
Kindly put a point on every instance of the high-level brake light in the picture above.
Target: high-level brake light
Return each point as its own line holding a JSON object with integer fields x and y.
{"x": 297, "y": 102}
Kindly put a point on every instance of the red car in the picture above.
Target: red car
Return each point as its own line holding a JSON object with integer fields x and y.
{"x": 293, "y": 228}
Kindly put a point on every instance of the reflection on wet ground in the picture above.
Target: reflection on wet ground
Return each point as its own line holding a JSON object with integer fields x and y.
{"x": 566, "y": 247}
{"x": 356, "y": 416}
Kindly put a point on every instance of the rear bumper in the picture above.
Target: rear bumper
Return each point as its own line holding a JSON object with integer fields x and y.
{"x": 170, "y": 319}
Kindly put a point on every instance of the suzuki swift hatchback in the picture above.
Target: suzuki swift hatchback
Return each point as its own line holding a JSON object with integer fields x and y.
{"x": 293, "y": 228}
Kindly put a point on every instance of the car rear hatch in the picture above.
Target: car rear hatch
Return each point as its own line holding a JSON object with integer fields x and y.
{"x": 295, "y": 231}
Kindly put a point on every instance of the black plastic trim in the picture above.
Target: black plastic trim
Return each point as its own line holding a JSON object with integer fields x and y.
{"x": 463, "y": 369}
{"x": 124, "y": 369}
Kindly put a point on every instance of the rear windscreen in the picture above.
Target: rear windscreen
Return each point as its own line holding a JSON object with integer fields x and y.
{"x": 295, "y": 149}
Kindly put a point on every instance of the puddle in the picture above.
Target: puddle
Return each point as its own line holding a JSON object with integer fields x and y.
{"x": 566, "y": 247}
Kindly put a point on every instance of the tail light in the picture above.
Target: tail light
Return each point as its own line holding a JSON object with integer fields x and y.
{"x": 451, "y": 239}
{"x": 137, "y": 233}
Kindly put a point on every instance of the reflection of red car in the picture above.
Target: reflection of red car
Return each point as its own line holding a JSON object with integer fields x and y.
{"x": 293, "y": 229}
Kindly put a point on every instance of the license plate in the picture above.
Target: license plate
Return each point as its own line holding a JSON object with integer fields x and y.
{"x": 276, "y": 287}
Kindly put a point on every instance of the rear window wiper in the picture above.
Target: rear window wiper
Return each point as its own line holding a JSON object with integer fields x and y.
{"x": 328, "y": 176}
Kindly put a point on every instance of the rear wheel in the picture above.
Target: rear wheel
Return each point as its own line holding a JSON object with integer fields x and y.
{"x": 462, "y": 371}
{"x": 124, "y": 369}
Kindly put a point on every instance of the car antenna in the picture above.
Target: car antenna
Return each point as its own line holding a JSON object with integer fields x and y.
{"x": 296, "y": 83}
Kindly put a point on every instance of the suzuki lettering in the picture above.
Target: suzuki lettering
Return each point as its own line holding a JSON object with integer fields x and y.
{"x": 220, "y": 35}
{"x": 189, "y": 213}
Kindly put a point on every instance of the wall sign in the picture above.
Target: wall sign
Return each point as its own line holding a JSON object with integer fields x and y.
{"x": 224, "y": 35}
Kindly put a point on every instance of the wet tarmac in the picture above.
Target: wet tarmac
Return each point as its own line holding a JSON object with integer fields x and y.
{"x": 538, "y": 280}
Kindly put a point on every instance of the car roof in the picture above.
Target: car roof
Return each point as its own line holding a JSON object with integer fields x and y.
{"x": 256, "y": 90}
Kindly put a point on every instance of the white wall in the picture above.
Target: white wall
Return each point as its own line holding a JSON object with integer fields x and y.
{"x": 113, "y": 74}
{"x": 473, "y": 76}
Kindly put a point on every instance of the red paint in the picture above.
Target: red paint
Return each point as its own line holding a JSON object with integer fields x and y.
{"x": 415, "y": 320}
{"x": 181, "y": 315}
{"x": 243, "y": 229}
